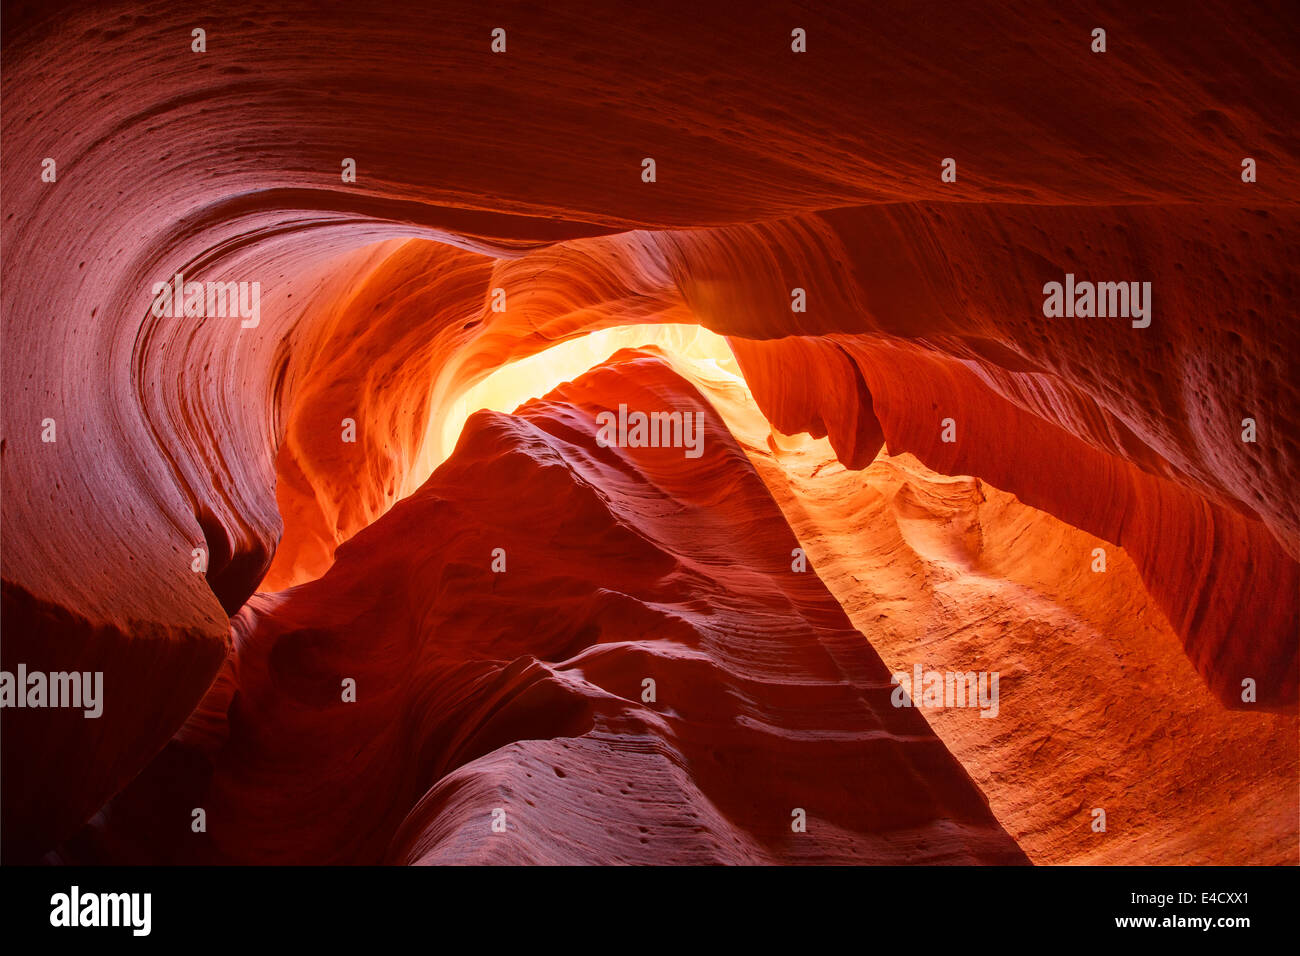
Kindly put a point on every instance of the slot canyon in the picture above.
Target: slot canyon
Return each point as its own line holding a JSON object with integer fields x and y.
{"x": 366, "y": 584}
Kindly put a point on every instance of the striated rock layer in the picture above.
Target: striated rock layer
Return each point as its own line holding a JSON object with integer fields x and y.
{"x": 523, "y": 690}
{"x": 522, "y": 172}
{"x": 1098, "y": 707}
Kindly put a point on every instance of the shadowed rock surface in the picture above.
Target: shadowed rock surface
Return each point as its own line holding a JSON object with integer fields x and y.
{"x": 522, "y": 171}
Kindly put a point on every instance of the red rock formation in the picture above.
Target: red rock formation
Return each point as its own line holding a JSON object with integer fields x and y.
{"x": 524, "y": 688}
{"x": 777, "y": 170}
{"x": 1099, "y": 708}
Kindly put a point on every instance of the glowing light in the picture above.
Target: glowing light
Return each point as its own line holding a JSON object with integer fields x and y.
{"x": 694, "y": 350}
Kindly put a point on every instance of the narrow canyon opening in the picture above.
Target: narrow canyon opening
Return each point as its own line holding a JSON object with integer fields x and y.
{"x": 362, "y": 581}
{"x": 932, "y": 570}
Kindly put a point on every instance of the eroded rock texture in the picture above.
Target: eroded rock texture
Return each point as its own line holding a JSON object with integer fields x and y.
{"x": 524, "y": 689}
{"x": 522, "y": 172}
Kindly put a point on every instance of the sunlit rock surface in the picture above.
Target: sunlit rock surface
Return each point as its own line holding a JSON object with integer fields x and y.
{"x": 522, "y": 172}
{"x": 642, "y": 678}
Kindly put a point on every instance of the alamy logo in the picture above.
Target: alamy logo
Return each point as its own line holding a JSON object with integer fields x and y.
{"x": 1101, "y": 300}
{"x": 652, "y": 430}
{"x": 83, "y": 689}
{"x": 196, "y": 300}
{"x": 939, "y": 689}
{"x": 102, "y": 909}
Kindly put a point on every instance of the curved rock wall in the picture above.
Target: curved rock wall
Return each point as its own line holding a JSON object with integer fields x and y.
{"x": 523, "y": 172}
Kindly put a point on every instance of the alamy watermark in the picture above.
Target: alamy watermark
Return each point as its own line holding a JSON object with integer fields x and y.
{"x": 84, "y": 689}
{"x": 196, "y": 300}
{"x": 941, "y": 689}
{"x": 1101, "y": 300}
{"x": 75, "y": 908}
{"x": 651, "y": 430}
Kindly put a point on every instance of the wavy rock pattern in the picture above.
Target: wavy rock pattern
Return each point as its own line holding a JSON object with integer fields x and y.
{"x": 1099, "y": 708}
{"x": 522, "y": 172}
{"x": 523, "y": 689}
